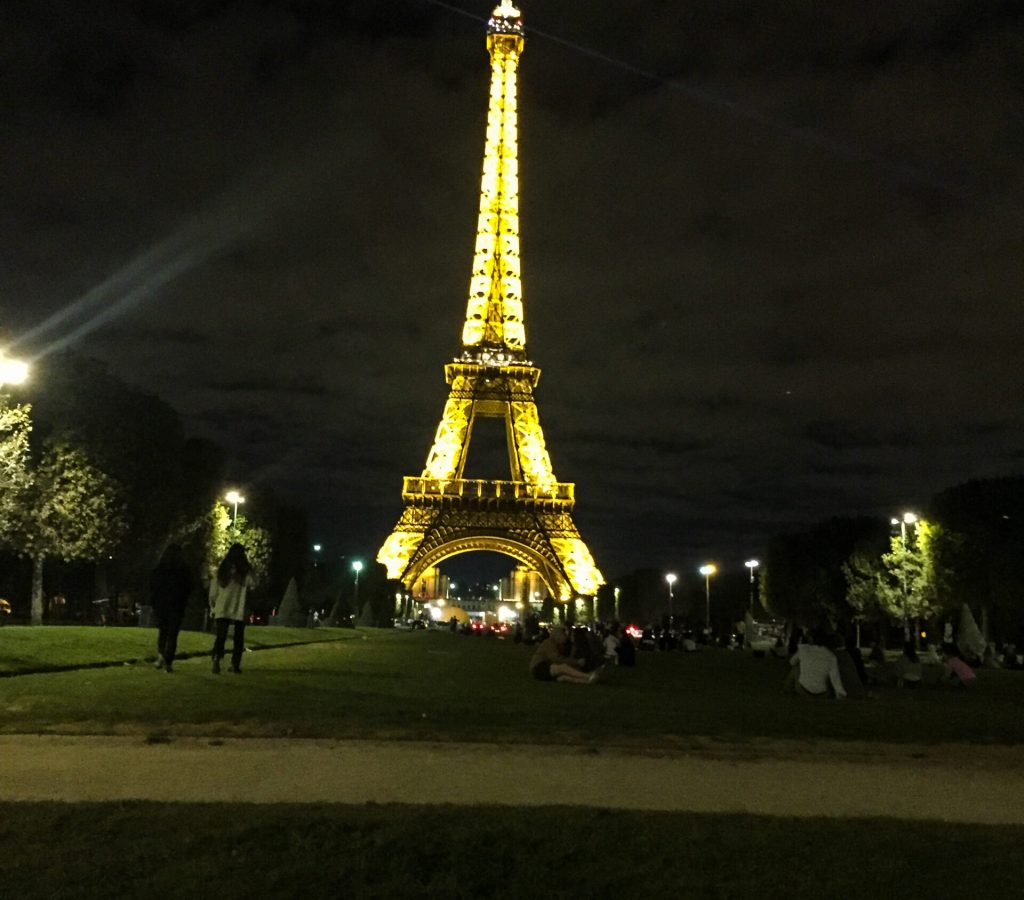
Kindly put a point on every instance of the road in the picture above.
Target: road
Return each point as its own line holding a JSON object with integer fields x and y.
{"x": 963, "y": 784}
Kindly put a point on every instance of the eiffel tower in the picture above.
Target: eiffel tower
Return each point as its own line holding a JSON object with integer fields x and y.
{"x": 529, "y": 516}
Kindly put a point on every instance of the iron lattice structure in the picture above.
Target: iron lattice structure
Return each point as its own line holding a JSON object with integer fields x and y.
{"x": 529, "y": 516}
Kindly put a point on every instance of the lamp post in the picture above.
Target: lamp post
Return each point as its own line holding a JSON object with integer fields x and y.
{"x": 616, "y": 592}
{"x": 12, "y": 371}
{"x": 357, "y": 567}
{"x": 707, "y": 570}
{"x": 671, "y": 579}
{"x": 908, "y": 518}
{"x": 752, "y": 564}
{"x": 234, "y": 498}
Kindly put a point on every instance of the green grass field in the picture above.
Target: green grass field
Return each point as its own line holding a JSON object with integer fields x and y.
{"x": 152, "y": 850}
{"x": 27, "y": 649}
{"x": 439, "y": 686}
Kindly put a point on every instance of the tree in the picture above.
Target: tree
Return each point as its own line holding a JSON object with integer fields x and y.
{"x": 167, "y": 481}
{"x": 222, "y": 533}
{"x": 803, "y": 580}
{"x": 72, "y": 510}
{"x": 904, "y": 584}
{"x": 15, "y": 473}
{"x": 915, "y": 582}
{"x": 290, "y": 612}
{"x": 547, "y": 608}
{"x": 982, "y": 549}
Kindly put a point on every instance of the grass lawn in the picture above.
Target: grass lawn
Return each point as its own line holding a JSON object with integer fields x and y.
{"x": 24, "y": 648}
{"x": 435, "y": 685}
{"x": 154, "y": 850}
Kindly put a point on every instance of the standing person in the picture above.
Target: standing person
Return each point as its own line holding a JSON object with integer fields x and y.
{"x": 170, "y": 584}
{"x": 227, "y": 602}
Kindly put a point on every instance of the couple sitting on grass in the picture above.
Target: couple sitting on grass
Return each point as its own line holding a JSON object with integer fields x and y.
{"x": 551, "y": 661}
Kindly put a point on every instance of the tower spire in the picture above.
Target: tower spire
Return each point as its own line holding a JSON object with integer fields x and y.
{"x": 494, "y": 312}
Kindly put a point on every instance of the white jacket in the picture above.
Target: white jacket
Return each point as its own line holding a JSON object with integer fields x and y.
{"x": 228, "y": 602}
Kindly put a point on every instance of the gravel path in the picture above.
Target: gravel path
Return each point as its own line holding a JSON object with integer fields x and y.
{"x": 966, "y": 784}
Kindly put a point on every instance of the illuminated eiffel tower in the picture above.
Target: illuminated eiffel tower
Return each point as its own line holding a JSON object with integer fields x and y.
{"x": 529, "y": 516}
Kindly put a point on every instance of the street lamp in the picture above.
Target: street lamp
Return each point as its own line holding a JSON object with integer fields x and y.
{"x": 707, "y": 570}
{"x": 908, "y": 518}
{"x": 752, "y": 564}
{"x": 12, "y": 371}
{"x": 357, "y": 567}
{"x": 617, "y": 591}
{"x": 671, "y": 579}
{"x": 234, "y": 498}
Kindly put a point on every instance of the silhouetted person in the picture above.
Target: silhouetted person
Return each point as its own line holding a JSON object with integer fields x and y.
{"x": 228, "y": 591}
{"x": 907, "y": 669}
{"x": 857, "y": 657}
{"x": 170, "y": 584}
{"x": 626, "y": 649}
{"x": 847, "y": 656}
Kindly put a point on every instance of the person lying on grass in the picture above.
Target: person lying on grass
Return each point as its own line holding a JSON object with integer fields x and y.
{"x": 550, "y": 662}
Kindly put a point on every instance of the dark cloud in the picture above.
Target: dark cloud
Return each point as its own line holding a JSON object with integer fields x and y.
{"x": 771, "y": 250}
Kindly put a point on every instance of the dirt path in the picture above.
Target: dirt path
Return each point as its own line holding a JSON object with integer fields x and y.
{"x": 967, "y": 785}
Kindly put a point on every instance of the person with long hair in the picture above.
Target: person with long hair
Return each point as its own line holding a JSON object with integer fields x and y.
{"x": 169, "y": 588}
{"x": 228, "y": 591}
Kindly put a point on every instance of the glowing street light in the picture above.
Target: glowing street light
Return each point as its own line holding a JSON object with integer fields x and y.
{"x": 12, "y": 371}
{"x": 707, "y": 570}
{"x": 617, "y": 591}
{"x": 234, "y": 498}
{"x": 671, "y": 579}
{"x": 908, "y": 518}
{"x": 752, "y": 564}
{"x": 357, "y": 567}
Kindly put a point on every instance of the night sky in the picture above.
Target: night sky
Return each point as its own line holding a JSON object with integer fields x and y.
{"x": 772, "y": 249}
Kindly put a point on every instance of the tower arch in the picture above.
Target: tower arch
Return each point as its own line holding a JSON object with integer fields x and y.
{"x": 554, "y": 581}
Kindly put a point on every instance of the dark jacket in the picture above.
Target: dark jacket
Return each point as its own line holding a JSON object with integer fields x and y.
{"x": 169, "y": 588}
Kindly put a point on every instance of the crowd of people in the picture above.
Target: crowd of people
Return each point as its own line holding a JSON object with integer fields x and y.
{"x": 820, "y": 664}
{"x": 831, "y": 666}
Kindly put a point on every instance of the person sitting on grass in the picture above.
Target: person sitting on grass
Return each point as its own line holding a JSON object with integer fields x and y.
{"x": 847, "y": 656}
{"x": 908, "y": 667}
{"x": 815, "y": 669}
{"x": 958, "y": 673}
{"x": 611, "y": 645}
{"x": 550, "y": 663}
{"x": 626, "y": 649}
